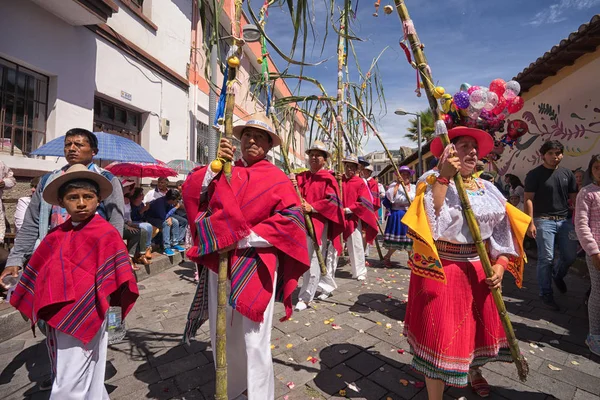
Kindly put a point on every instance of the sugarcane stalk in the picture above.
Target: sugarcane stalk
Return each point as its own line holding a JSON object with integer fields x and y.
{"x": 421, "y": 65}
{"x": 221, "y": 323}
{"x": 379, "y": 252}
{"x": 340, "y": 93}
{"x": 310, "y": 227}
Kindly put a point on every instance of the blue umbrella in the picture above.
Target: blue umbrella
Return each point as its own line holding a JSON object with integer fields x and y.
{"x": 110, "y": 147}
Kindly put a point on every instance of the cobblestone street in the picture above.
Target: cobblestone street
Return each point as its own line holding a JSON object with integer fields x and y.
{"x": 351, "y": 342}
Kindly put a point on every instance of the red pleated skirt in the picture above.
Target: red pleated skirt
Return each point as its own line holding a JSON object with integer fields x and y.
{"x": 454, "y": 326}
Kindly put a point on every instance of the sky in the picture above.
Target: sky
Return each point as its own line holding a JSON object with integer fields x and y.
{"x": 465, "y": 41}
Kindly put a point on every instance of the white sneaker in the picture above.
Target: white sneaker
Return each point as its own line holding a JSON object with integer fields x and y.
{"x": 323, "y": 296}
{"x": 362, "y": 278}
{"x": 300, "y": 306}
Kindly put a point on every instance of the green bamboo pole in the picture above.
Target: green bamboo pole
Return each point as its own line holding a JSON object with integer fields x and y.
{"x": 310, "y": 227}
{"x": 421, "y": 65}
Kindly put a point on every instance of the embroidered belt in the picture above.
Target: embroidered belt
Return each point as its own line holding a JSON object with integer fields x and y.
{"x": 459, "y": 249}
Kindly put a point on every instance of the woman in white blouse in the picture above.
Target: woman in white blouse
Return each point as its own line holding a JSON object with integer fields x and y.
{"x": 395, "y": 236}
{"x": 451, "y": 323}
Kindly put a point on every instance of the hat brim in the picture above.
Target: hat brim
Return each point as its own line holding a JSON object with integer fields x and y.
{"x": 321, "y": 150}
{"x": 410, "y": 171}
{"x": 485, "y": 142}
{"x": 350, "y": 161}
{"x": 238, "y": 130}
{"x": 50, "y": 193}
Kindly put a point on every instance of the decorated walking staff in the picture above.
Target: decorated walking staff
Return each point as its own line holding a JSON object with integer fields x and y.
{"x": 340, "y": 93}
{"x": 310, "y": 228}
{"x": 423, "y": 69}
{"x": 233, "y": 63}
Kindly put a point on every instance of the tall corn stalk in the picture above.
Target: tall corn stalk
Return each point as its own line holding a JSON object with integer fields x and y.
{"x": 422, "y": 67}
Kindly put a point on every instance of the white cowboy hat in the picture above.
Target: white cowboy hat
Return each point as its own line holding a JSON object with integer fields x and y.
{"x": 258, "y": 122}
{"x": 75, "y": 172}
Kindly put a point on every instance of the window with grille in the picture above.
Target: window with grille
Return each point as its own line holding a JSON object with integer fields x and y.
{"x": 259, "y": 92}
{"x": 23, "y": 108}
{"x": 116, "y": 119}
{"x": 203, "y": 134}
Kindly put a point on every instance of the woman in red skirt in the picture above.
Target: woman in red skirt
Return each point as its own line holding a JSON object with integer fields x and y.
{"x": 452, "y": 324}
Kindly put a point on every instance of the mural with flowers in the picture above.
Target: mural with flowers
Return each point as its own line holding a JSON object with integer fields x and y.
{"x": 567, "y": 111}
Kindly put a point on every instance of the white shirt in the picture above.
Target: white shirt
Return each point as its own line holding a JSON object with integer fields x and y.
{"x": 127, "y": 212}
{"x": 152, "y": 195}
{"x": 22, "y": 205}
{"x": 398, "y": 198}
{"x": 489, "y": 207}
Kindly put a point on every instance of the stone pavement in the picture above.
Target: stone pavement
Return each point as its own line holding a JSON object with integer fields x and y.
{"x": 351, "y": 340}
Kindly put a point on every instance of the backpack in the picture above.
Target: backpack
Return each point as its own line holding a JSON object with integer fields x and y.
{"x": 101, "y": 207}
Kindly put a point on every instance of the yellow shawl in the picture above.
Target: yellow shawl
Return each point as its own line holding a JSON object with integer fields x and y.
{"x": 425, "y": 260}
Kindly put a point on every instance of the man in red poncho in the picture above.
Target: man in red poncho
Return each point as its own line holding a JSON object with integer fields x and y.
{"x": 321, "y": 195}
{"x": 257, "y": 216}
{"x": 80, "y": 268}
{"x": 373, "y": 186}
{"x": 359, "y": 216}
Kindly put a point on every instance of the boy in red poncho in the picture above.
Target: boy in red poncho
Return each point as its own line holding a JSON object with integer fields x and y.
{"x": 359, "y": 216}
{"x": 78, "y": 271}
{"x": 257, "y": 216}
{"x": 321, "y": 195}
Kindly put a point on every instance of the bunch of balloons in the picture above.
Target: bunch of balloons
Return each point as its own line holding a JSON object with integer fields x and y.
{"x": 481, "y": 107}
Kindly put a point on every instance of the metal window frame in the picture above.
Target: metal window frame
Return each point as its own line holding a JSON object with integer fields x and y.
{"x": 38, "y": 79}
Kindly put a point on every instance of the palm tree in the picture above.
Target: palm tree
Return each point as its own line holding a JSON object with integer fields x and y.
{"x": 427, "y": 127}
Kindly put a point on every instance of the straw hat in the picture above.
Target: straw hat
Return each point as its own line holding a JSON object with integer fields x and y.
{"x": 485, "y": 142}
{"x": 318, "y": 145}
{"x": 77, "y": 171}
{"x": 368, "y": 167}
{"x": 351, "y": 158}
{"x": 258, "y": 121}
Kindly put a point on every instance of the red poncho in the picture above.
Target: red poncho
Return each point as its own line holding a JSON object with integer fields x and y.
{"x": 321, "y": 191}
{"x": 260, "y": 198}
{"x": 374, "y": 189}
{"x": 70, "y": 276}
{"x": 357, "y": 199}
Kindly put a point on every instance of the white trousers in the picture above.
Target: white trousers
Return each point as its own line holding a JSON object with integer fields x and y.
{"x": 356, "y": 252}
{"x": 312, "y": 279}
{"x": 78, "y": 369}
{"x": 249, "y": 359}
{"x": 327, "y": 283}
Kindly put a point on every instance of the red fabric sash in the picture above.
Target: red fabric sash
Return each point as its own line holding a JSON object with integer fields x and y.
{"x": 374, "y": 189}
{"x": 72, "y": 273}
{"x": 357, "y": 199}
{"x": 260, "y": 198}
{"x": 321, "y": 191}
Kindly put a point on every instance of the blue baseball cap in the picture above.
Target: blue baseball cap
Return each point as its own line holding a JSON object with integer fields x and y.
{"x": 362, "y": 161}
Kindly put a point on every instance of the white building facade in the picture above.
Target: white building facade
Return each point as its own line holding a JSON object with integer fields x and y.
{"x": 118, "y": 66}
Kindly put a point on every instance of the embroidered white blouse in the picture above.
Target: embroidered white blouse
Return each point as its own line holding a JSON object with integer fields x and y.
{"x": 489, "y": 207}
{"x": 398, "y": 199}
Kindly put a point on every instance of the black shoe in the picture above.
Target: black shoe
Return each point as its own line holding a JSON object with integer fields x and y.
{"x": 548, "y": 300}
{"x": 46, "y": 385}
{"x": 560, "y": 285}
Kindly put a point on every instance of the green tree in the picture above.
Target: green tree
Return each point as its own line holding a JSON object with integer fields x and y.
{"x": 427, "y": 127}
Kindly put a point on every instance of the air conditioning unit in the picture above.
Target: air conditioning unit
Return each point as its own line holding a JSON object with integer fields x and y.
{"x": 165, "y": 127}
